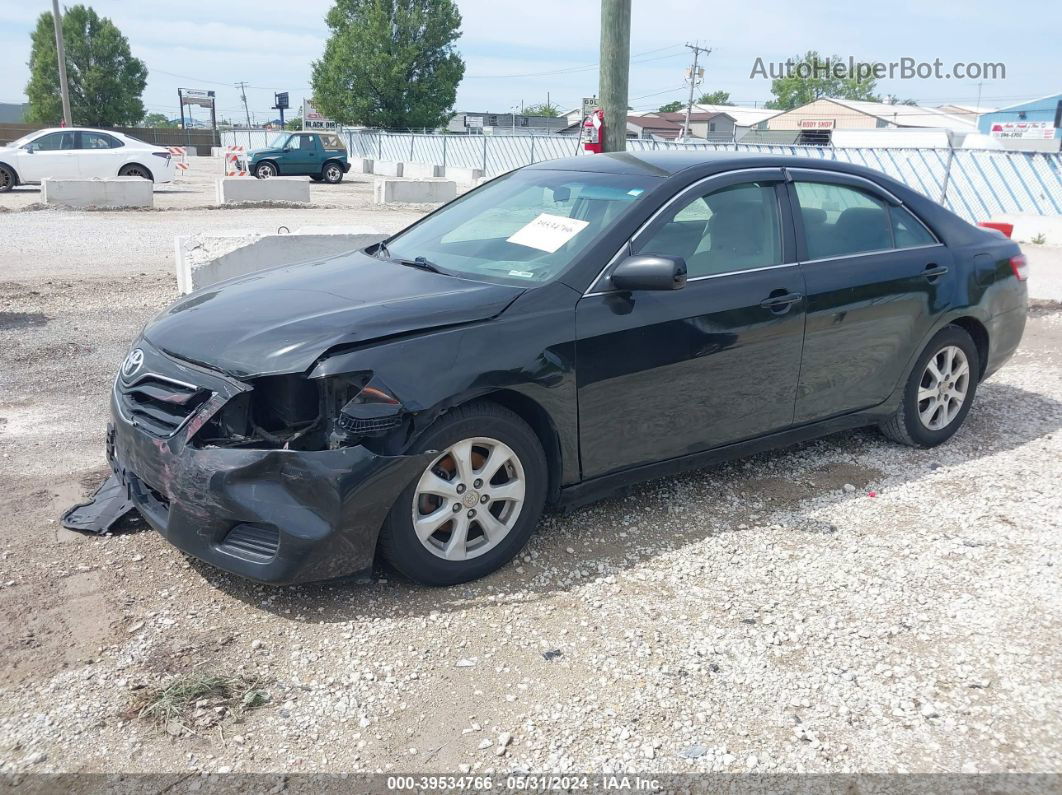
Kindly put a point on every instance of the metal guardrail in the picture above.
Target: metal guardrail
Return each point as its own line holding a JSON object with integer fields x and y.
{"x": 974, "y": 184}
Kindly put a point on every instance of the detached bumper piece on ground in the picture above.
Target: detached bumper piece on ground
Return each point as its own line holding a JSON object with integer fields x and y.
{"x": 104, "y": 509}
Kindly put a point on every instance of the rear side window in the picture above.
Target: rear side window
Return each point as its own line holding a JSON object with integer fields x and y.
{"x": 908, "y": 231}
{"x": 95, "y": 140}
{"x": 330, "y": 141}
{"x": 840, "y": 221}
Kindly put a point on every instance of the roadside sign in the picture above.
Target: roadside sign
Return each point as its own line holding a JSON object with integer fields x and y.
{"x": 313, "y": 120}
{"x": 589, "y": 103}
{"x": 1025, "y": 130}
{"x": 474, "y": 121}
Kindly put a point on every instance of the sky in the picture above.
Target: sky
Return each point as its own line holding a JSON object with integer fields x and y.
{"x": 520, "y": 52}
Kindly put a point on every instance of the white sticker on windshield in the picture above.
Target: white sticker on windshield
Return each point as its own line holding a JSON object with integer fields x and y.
{"x": 548, "y": 232}
{"x": 522, "y": 274}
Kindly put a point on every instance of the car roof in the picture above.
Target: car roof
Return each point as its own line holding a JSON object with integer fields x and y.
{"x": 667, "y": 164}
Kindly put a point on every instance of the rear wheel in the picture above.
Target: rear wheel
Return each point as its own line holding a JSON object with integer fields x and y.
{"x": 7, "y": 179}
{"x": 135, "y": 170}
{"x": 476, "y": 503}
{"x": 939, "y": 391}
{"x": 265, "y": 170}
{"x": 332, "y": 173}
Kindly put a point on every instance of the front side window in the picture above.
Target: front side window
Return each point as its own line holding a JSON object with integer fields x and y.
{"x": 525, "y": 228}
{"x": 53, "y": 142}
{"x": 840, "y": 221}
{"x": 731, "y": 229}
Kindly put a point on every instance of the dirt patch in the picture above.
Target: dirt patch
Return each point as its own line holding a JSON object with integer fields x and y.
{"x": 12, "y": 321}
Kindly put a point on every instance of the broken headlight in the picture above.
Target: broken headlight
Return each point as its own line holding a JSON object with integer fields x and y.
{"x": 297, "y": 413}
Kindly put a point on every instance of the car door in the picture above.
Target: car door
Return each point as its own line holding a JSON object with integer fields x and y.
{"x": 663, "y": 374}
{"x": 99, "y": 154}
{"x": 52, "y": 155}
{"x": 305, "y": 155}
{"x": 876, "y": 280}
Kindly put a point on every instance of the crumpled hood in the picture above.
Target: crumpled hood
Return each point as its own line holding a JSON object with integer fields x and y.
{"x": 283, "y": 319}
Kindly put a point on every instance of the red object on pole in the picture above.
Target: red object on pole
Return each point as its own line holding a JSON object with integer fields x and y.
{"x": 594, "y": 132}
{"x": 999, "y": 226}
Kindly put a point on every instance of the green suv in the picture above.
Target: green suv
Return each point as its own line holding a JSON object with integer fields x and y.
{"x": 319, "y": 155}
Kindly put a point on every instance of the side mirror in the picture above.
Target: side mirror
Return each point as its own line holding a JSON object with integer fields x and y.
{"x": 286, "y": 149}
{"x": 650, "y": 272}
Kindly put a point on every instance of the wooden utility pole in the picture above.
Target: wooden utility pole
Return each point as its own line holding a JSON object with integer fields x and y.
{"x": 694, "y": 79}
{"x": 615, "y": 62}
{"x": 64, "y": 87}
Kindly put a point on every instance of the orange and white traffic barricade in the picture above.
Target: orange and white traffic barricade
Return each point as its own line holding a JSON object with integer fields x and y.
{"x": 182, "y": 153}
{"x": 235, "y": 161}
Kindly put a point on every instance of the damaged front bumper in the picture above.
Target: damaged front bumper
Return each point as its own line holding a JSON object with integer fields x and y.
{"x": 272, "y": 515}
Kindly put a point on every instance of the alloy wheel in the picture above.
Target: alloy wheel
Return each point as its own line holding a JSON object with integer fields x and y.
{"x": 265, "y": 171}
{"x": 943, "y": 388}
{"x": 333, "y": 173}
{"x": 5, "y": 179}
{"x": 468, "y": 499}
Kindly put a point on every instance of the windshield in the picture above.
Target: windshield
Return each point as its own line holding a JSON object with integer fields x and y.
{"x": 525, "y": 227}
{"x": 278, "y": 141}
{"x": 25, "y": 139}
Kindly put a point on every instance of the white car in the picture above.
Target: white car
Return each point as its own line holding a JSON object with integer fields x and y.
{"x": 75, "y": 152}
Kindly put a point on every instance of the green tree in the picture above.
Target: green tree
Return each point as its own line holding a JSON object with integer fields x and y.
{"x": 106, "y": 81}
{"x": 542, "y": 109}
{"x": 293, "y": 124}
{"x": 390, "y": 63}
{"x": 715, "y": 98}
{"x": 809, "y": 77}
{"x": 157, "y": 120}
{"x": 671, "y": 107}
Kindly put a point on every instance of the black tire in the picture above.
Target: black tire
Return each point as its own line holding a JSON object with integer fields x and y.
{"x": 332, "y": 172}
{"x": 136, "y": 170}
{"x": 398, "y": 540}
{"x": 266, "y": 169}
{"x": 906, "y": 425}
{"x": 8, "y": 180}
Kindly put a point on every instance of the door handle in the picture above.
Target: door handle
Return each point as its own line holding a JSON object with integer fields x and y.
{"x": 934, "y": 272}
{"x": 780, "y": 303}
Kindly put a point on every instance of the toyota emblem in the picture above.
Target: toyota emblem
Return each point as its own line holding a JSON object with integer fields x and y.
{"x": 132, "y": 364}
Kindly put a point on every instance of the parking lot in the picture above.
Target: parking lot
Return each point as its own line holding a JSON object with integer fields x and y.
{"x": 846, "y": 605}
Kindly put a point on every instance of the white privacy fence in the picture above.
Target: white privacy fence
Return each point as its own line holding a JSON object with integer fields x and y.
{"x": 975, "y": 184}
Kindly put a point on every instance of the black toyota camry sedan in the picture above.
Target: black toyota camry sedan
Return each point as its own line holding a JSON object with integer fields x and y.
{"x": 564, "y": 330}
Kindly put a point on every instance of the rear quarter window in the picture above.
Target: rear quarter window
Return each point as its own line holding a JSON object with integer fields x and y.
{"x": 329, "y": 141}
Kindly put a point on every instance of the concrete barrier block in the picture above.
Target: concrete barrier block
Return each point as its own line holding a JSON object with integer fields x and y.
{"x": 361, "y": 165}
{"x": 463, "y": 176}
{"x": 234, "y": 190}
{"x": 414, "y": 191}
{"x": 421, "y": 170}
{"x": 387, "y": 168}
{"x": 110, "y": 193}
{"x": 206, "y": 259}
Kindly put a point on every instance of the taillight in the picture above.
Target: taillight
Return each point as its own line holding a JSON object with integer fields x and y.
{"x": 1020, "y": 266}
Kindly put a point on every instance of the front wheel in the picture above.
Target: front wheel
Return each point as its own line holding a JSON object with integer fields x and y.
{"x": 7, "y": 179}
{"x": 265, "y": 170}
{"x": 476, "y": 503}
{"x": 939, "y": 391}
{"x": 332, "y": 173}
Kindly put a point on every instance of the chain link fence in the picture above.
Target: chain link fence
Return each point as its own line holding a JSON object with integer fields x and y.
{"x": 975, "y": 184}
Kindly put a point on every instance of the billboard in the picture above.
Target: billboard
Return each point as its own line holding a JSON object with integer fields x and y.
{"x": 313, "y": 120}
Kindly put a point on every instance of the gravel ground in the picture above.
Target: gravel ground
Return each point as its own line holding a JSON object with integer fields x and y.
{"x": 846, "y": 605}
